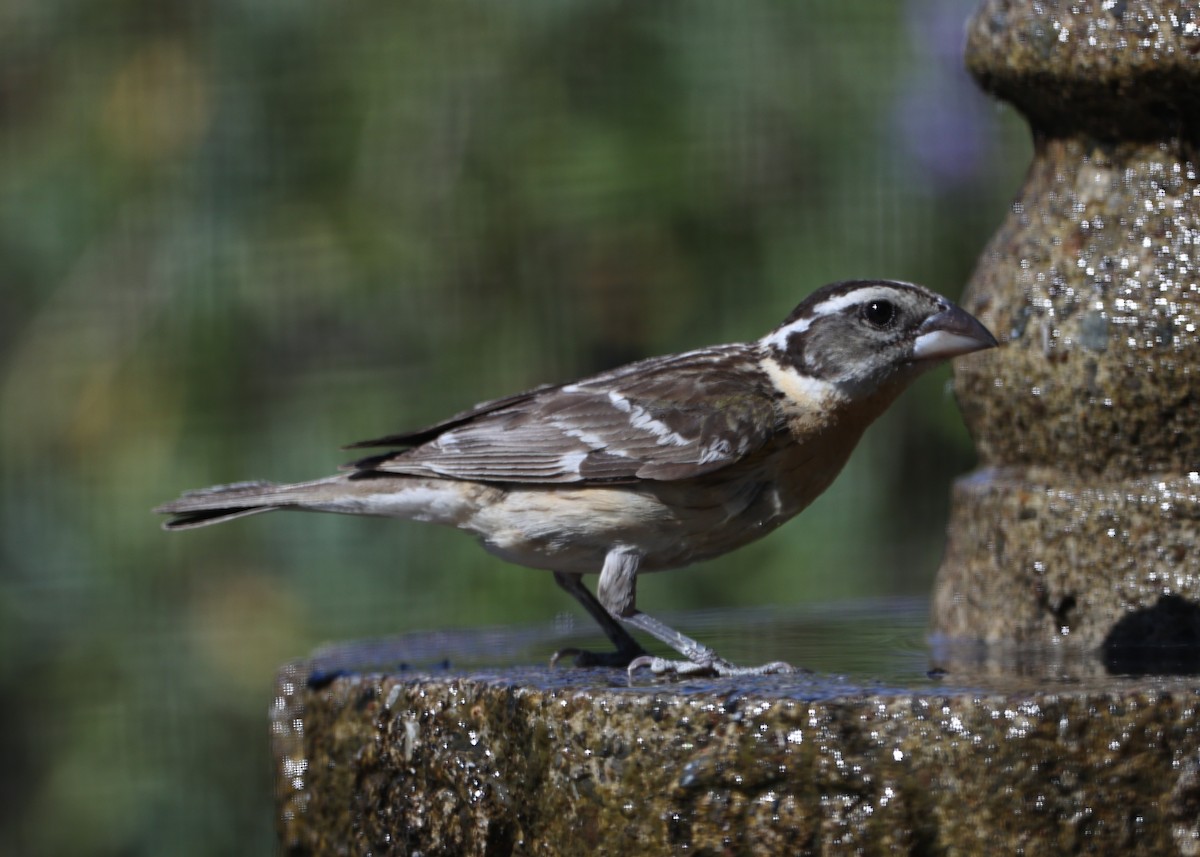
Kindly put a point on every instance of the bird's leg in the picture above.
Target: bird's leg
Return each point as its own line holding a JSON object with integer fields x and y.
{"x": 628, "y": 649}
{"x": 617, "y": 594}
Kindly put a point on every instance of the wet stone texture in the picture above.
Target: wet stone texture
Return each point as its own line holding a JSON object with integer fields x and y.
{"x": 1085, "y": 514}
{"x": 566, "y": 763}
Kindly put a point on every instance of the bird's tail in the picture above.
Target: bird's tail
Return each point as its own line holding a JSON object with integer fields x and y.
{"x": 222, "y": 503}
{"x": 438, "y": 501}
{"x": 219, "y": 504}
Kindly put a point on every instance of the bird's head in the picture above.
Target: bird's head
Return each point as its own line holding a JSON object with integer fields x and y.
{"x": 862, "y": 336}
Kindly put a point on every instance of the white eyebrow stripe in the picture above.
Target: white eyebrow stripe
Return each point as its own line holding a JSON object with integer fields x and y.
{"x": 856, "y": 296}
{"x": 779, "y": 338}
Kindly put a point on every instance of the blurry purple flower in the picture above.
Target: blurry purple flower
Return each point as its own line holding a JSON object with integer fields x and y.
{"x": 942, "y": 121}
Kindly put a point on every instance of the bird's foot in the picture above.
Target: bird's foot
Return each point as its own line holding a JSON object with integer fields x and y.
{"x": 586, "y": 658}
{"x": 707, "y": 667}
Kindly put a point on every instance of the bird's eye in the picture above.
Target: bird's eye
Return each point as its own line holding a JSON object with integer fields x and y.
{"x": 879, "y": 314}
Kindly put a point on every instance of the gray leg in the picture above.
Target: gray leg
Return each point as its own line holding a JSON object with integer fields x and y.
{"x": 628, "y": 649}
{"x": 617, "y": 593}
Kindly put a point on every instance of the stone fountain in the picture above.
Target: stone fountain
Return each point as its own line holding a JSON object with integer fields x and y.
{"x": 1084, "y": 520}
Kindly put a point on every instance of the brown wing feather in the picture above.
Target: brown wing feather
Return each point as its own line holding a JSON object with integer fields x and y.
{"x": 428, "y": 433}
{"x": 666, "y": 418}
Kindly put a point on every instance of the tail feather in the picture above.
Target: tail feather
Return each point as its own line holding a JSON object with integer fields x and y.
{"x": 221, "y": 503}
{"x": 192, "y": 520}
{"x": 442, "y": 501}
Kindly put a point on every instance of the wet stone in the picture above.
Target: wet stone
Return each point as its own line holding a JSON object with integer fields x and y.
{"x": 530, "y": 761}
{"x": 1085, "y": 513}
{"x": 1108, "y": 68}
{"x": 1092, "y": 284}
{"x": 1089, "y": 560}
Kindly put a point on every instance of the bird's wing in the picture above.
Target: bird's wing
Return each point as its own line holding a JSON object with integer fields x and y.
{"x": 664, "y": 419}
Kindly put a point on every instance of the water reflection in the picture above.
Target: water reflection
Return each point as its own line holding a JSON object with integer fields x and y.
{"x": 876, "y": 645}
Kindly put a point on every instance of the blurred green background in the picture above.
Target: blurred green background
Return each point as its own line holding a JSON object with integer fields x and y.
{"x": 236, "y": 234}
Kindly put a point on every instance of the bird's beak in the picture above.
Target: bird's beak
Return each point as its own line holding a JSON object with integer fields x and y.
{"x": 949, "y": 333}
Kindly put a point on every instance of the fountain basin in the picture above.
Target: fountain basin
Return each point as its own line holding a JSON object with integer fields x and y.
{"x": 984, "y": 754}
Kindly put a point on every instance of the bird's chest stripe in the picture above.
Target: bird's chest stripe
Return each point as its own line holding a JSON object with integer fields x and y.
{"x": 808, "y": 403}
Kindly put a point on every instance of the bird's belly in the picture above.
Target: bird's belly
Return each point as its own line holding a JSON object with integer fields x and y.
{"x": 671, "y": 524}
{"x": 571, "y": 529}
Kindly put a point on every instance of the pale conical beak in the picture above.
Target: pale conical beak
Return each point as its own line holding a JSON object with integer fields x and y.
{"x": 949, "y": 333}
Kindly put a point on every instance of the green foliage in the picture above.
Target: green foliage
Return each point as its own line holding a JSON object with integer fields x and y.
{"x": 234, "y": 236}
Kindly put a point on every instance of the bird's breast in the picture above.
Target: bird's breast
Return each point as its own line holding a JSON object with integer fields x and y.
{"x": 670, "y": 523}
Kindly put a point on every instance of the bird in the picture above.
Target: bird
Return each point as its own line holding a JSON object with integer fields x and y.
{"x": 650, "y": 466}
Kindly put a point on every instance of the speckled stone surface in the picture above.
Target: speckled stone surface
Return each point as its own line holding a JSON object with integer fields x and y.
{"x": 1087, "y": 505}
{"x": 561, "y": 763}
{"x": 1120, "y": 69}
{"x": 1034, "y": 556}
